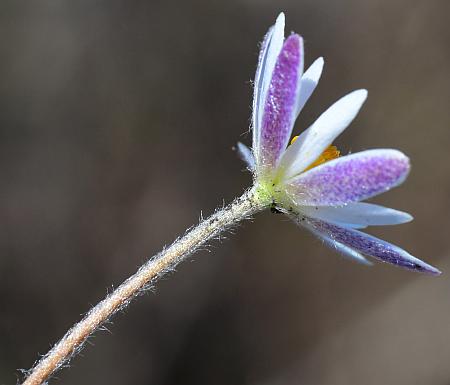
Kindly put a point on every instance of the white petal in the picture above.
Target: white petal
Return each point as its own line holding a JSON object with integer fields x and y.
{"x": 262, "y": 59}
{"x": 358, "y": 215}
{"x": 309, "y": 81}
{"x": 315, "y": 140}
{"x": 246, "y": 155}
{"x": 272, "y": 45}
{"x": 344, "y": 250}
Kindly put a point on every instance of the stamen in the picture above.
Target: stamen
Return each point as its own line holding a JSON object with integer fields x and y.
{"x": 329, "y": 154}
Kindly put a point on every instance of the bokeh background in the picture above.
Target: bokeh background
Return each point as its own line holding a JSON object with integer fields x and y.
{"x": 117, "y": 124}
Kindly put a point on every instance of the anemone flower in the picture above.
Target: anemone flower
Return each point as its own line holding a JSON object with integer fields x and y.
{"x": 304, "y": 178}
{"x": 307, "y": 179}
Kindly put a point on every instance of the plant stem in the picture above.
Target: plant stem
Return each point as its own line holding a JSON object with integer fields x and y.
{"x": 245, "y": 206}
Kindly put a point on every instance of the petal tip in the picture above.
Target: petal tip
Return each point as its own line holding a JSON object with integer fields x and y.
{"x": 281, "y": 18}
{"x": 295, "y": 43}
{"x": 246, "y": 155}
{"x": 436, "y": 272}
{"x": 421, "y": 266}
{"x": 429, "y": 270}
{"x": 360, "y": 95}
{"x": 315, "y": 70}
{"x": 407, "y": 218}
{"x": 294, "y": 38}
{"x": 402, "y": 160}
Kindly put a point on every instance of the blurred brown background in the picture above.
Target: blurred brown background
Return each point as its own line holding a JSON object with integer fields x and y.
{"x": 116, "y": 127}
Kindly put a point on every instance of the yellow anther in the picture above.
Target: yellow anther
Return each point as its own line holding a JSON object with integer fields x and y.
{"x": 329, "y": 154}
{"x": 294, "y": 139}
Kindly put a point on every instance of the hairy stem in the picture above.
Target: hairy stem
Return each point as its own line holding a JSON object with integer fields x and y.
{"x": 166, "y": 260}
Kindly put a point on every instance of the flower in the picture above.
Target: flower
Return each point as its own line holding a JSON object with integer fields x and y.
{"x": 307, "y": 179}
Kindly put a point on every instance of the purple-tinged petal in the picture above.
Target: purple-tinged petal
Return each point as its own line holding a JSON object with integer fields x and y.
{"x": 270, "y": 49}
{"x": 344, "y": 250}
{"x": 357, "y": 215}
{"x": 369, "y": 245}
{"x": 279, "y": 110}
{"x": 315, "y": 140}
{"x": 350, "y": 178}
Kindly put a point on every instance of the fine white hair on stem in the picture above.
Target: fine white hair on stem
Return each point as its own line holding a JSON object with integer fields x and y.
{"x": 211, "y": 228}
